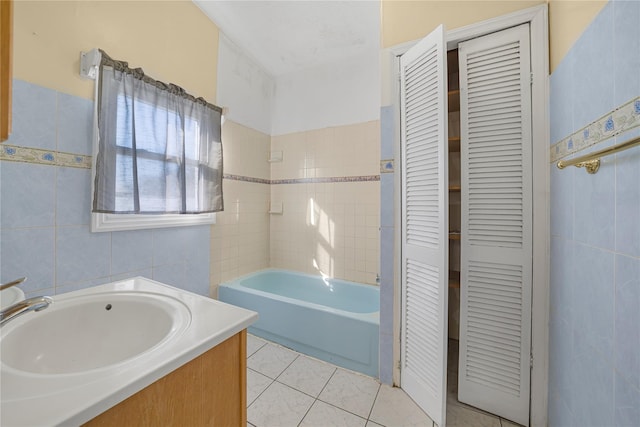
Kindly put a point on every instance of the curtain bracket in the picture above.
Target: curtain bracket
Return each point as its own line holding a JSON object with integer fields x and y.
{"x": 89, "y": 62}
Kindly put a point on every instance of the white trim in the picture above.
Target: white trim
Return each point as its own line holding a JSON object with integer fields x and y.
{"x": 537, "y": 17}
{"x": 119, "y": 222}
{"x": 541, "y": 216}
{"x": 397, "y": 202}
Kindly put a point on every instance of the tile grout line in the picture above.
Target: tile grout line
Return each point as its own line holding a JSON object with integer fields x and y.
{"x": 374, "y": 402}
{"x": 343, "y": 409}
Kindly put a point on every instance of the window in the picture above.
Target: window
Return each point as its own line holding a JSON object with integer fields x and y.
{"x": 158, "y": 153}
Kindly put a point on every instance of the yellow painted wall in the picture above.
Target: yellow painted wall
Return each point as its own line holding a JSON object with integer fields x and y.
{"x": 173, "y": 41}
{"x": 567, "y": 21}
{"x": 406, "y": 20}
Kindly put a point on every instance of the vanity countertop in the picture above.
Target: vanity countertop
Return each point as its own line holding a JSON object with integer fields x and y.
{"x": 36, "y": 399}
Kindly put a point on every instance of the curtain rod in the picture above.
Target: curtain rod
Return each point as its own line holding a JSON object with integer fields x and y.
{"x": 91, "y": 60}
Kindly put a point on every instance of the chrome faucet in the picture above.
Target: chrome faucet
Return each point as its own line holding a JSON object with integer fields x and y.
{"x": 24, "y": 306}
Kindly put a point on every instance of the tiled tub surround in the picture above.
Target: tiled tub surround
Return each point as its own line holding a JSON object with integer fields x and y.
{"x": 594, "y": 348}
{"x": 246, "y": 238}
{"x": 328, "y": 183}
{"x": 44, "y": 213}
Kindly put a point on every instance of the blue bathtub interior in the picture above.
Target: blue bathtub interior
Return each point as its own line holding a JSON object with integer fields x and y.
{"x": 332, "y": 320}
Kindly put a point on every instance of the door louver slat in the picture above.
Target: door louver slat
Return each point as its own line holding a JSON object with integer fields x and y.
{"x": 500, "y": 277}
{"x": 421, "y": 310}
{"x": 422, "y": 109}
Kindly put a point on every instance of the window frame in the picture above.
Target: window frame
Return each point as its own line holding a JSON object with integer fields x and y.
{"x": 101, "y": 222}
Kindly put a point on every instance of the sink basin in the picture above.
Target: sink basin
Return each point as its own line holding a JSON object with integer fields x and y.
{"x": 10, "y": 296}
{"x": 90, "y": 332}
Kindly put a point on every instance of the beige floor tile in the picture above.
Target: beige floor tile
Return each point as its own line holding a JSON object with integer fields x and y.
{"x": 350, "y": 391}
{"x": 254, "y": 344}
{"x": 460, "y": 416}
{"x": 279, "y": 406}
{"x": 256, "y": 384}
{"x": 307, "y": 375}
{"x": 271, "y": 360}
{"x": 325, "y": 415}
{"x": 394, "y": 408}
{"x": 507, "y": 423}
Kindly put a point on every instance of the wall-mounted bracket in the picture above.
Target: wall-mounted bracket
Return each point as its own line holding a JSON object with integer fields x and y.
{"x": 591, "y": 166}
{"x": 89, "y": 62}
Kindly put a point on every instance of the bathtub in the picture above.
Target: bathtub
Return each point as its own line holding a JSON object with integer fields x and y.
{"x": 332, "y": 320}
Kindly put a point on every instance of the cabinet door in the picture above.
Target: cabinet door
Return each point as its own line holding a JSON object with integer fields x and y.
{"x": 496, "y": 273}
{"x": 425, "y": 224}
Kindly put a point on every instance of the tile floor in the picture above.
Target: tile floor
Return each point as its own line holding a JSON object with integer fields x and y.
{"x": 286, "y": 388}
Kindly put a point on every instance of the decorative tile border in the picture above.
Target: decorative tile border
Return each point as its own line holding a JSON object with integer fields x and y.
{"x": 334, "y": 179}
{"x": 620, "y": 120}
{"x": 386, "y": 166}
{"x": 14, "y": 153}
{"x": 246, "y": 179}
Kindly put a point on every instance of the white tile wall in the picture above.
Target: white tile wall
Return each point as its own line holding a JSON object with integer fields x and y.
{"x": 329, "y": 228}
{"x": 240, "y": 238}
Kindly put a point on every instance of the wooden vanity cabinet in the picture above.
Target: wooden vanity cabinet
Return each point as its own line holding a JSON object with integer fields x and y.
{"x": 210, "y": 390}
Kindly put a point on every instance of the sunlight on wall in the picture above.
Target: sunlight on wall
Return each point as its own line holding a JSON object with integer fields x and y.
{"x": 324, "y": 228}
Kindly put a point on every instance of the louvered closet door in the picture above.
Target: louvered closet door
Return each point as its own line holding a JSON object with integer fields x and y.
{"x": 496, "y": 257}
{"x": 424, "y": 224}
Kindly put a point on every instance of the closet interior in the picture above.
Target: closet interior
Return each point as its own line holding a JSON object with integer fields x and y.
{"x": 453, "y": 116}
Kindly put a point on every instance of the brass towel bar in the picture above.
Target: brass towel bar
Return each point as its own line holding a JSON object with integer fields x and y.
{"x": 591, "y": 162}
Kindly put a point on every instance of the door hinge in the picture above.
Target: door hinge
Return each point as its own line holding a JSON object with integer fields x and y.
{"x": 531, "y": 361}
{"x": 531, "y": 78}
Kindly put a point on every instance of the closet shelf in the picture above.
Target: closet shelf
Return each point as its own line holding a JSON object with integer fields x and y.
{"x": 454, "y": 143}
{"x": 454, "y": 100}
{"x": 454, "y": 279}
{"x": 456, "y": 188}
{"x": 454, "y": 235}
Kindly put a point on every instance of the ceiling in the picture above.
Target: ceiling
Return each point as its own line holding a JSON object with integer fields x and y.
{"x": 287, "y": 36}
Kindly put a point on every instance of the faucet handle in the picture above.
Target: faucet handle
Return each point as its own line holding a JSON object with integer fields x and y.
{"x": 12, "y": 283}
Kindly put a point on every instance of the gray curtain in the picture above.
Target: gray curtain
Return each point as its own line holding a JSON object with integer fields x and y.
{"x": 159, "y": 148}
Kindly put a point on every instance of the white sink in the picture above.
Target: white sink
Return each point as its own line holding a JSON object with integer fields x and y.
{"x": 91, "y": 332}
{"x": 78, "y": 358}
{"x": 10, "y": 296}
